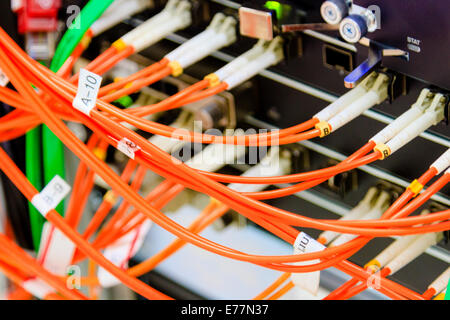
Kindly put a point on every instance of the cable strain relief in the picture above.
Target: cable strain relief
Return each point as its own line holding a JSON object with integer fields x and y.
{"x": 383, "y": 149}
{"x": 430, "y": 292}
{"x": 164, "y": 61}
{"x": 324, "y": 128}
{"x": 387, "y": 271}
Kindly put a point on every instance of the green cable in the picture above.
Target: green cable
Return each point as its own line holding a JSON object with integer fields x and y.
{"x": 33, "y": 170}
{"x": 125, "y": 101}
{"x": 53, "y": 148}
{"x": 90, "y": 13}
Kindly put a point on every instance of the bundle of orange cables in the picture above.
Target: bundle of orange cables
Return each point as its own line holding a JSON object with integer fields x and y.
{"x": 50, "y": 102}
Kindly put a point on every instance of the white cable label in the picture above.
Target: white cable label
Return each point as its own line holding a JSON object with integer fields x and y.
{"x": 121, "y": 251}
{"x": 307, "y": 281}
{"x": 88, "y": 87}
{"x": 306, "y": 244}
{"x": 37, "y": 288}
{"x": 128, "y": 147}
{"x": 56, "y": 190}
{"x": 4, "y": 80}
{"x": 56, "y": 250}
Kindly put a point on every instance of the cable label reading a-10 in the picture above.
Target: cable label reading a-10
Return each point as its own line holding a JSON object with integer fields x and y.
{"x": 88, "y": 87}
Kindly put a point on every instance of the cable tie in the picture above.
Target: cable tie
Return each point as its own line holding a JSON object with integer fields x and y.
{"x": 88, "y": 87}
{"x": 53, "y": 193}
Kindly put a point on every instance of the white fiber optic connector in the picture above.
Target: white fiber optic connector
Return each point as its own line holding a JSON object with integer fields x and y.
{"x": 337, "y": 106}
{"x": 442, "y": 163}
{"x": 215, "y": 156}
{"x": 440, "y": 283}
{"x": 272, "y": 165}
{"x": 380, "y": 206}
{"x": 238, "y": 63}
{"x": 433, "y": 115}
{"x": 377, "y": 93}
{"x": 184, "y": 122}
{"x": 391, "y": 251}
{"x": 415, "y": 249}
{"x": 175, "y": 16}
{"x": 118, "y": 11}
{"x": 220, "y": 33}
{"x": 413, "y": 113}
{"x": 263, "y": 55}
{"x": 273, "y": 53}
{"x": 357, "y": 212}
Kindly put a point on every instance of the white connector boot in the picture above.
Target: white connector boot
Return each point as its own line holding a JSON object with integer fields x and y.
{"x": 118, "y": 11}
{"x": 415, "y": 249}
{"x": 380, "y": 206}
{"x": 220, "y": 33}
{"x": 357, "y": 212}
{"x": 175, "y": 16}
{"x": 404, "y": 120}
{"x": 263, "y": 55}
